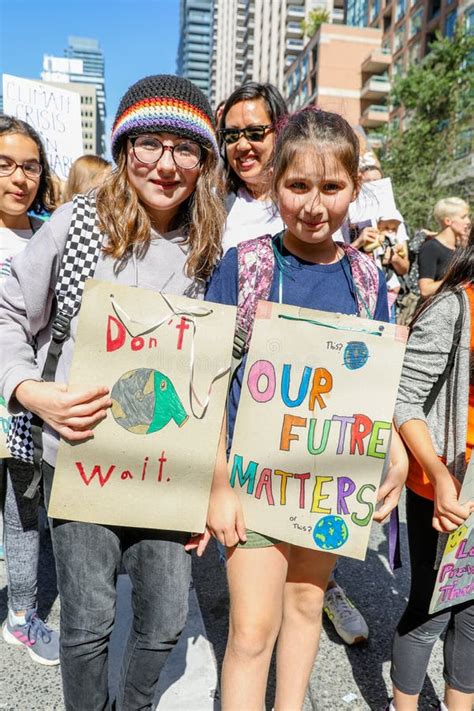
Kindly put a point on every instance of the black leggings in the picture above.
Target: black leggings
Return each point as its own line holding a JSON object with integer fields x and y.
{"x": 418, "y": 631}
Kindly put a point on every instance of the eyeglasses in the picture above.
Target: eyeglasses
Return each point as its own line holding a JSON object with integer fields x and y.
{"x": 31, "y": 168}
{"x": 254, "y": 134}
{"x": 148, "y": 149}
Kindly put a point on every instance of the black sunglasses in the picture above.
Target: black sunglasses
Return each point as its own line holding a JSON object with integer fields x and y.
{"x": 254, "y": 134}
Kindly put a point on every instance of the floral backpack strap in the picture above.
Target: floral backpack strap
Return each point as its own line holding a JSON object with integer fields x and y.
{"x": 255, "y": 261}
{"x": 366, "y": 280}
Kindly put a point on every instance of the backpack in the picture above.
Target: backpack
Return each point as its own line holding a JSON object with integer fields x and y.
{"x": 24, "y": 439}
{"x": 256, "y": 261}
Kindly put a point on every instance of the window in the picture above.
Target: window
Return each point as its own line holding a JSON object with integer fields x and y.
{"x": 398, "y": 67}
{"x": 450, "y": 24}
{"x": 399, "y": 38}
{"x": 416, "y": 21}
{"x": 464, "y": 143}
{"x": 434, "y": 8}
{"x": 304, "y": 67}
{"x": 400, "y": 11}
{"x": 469, "y": 19}
{"x": 414, "y": 52}
{"x": 374, "y": 9}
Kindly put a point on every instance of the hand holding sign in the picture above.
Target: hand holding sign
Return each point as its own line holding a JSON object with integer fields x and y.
{"x": 72, "y": 412}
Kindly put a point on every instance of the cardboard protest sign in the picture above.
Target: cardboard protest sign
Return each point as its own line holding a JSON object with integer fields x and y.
{"x": 166, "y": 360}
{"x": 455, "y": 581}
{"x": 313, "y": 425}
{"x": 375, "y": 199}
{"x": 53, "y": 112}
{"x": 5, "y": 420}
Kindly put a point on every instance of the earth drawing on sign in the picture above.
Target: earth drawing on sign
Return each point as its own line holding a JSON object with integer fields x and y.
{"x": 145, "y": 401}
{"x": 330, "y": 532}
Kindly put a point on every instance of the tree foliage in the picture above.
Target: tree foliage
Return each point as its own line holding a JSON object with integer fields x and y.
{"x": 314, "y": 21}
{"x": 437, "y": 98}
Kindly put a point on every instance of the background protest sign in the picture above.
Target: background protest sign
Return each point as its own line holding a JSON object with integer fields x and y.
{"x": 53, "y": 112}
{"x": 152, "y": 459}
{"x": 5, "y": 420}
{"x": 313, "y": 425}
{"x": 455, "y": 580}
{"x": 375, "y": 200}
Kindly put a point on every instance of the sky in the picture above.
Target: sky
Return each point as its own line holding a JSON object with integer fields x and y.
{"x": 137, "y": 37}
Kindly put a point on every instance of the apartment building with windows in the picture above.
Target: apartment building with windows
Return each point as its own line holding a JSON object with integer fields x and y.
{"x": 345, "y": 70}
{"x": 256, "y": 40}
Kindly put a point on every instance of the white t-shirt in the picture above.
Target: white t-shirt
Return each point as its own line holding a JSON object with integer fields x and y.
{"x": 250, "y": 218}
{"x": 12, "y": 242}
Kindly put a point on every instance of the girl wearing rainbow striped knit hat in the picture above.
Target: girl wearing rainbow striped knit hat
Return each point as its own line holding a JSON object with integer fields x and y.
{"x": 160, "y": 221}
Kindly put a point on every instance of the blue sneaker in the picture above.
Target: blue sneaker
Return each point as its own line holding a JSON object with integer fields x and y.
{"x": 41, "y": 642}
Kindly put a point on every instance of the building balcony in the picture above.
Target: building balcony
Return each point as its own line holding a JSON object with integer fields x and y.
{"x": 375, "y": 140}
{"x": 294, "y": 45}
{"x": 293, "y": 30}
{"x": 377, "y": 87}
{"x": 379, "y": 60}
{"x": 295, "y": 12}
{"x": 375, "y": 115}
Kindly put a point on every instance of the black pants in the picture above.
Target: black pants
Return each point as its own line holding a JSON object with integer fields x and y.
{"x": 417, "y": 630}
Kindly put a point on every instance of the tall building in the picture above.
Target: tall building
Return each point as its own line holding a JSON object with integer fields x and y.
{"x": 93, "y": 66}
{"x": 57, "y": 71}
{"x": 195, "y": 43}
{"x": 256, "y": 40}
{"x": 224, "y": 43}
{"x": 344, "y": 70}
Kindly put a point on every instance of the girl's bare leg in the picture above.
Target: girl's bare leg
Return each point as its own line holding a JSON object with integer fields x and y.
{"x": 308, "y": 575}
{"x": 404, "y": 702}
{"x": 256, "y": 582}
{"x": 458, "y": 701}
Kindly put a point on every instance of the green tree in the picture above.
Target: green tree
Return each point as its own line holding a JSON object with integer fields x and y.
{"x": 437, "y": 96}
{"x": 314, "y": 21}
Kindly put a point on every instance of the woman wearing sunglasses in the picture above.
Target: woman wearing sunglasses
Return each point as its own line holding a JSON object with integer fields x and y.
{"x": 247, "y": 140}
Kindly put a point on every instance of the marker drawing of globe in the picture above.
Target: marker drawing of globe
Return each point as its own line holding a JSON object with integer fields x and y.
{"x": 330, "y": 532}
{"x": 356, "y": 355}
{"x": 145, "y": 401}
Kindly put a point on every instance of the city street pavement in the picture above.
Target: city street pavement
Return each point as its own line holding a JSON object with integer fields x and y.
{"x": 343, "y": 678}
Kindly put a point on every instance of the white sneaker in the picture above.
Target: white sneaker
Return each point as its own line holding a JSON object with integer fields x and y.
{"x": 346, "y": 618}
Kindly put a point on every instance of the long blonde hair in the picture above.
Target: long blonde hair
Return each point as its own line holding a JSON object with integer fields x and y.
{"x": 126, "y": 222}
{"x": 86, "y": 172}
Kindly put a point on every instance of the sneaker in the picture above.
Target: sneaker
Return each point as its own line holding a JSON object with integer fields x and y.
{"x": 346, "y": 618}
{"x": 41, "y": 642}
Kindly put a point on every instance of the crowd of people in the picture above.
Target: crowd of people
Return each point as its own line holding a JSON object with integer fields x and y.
{"x": 191, "y": 193}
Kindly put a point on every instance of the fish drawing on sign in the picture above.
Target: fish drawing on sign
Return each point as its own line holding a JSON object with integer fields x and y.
{"x": 145, "y": 401}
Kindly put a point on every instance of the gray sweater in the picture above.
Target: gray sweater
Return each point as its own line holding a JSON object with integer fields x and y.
{"x": 425, "y": 359}
{"x": 27, "y": 298}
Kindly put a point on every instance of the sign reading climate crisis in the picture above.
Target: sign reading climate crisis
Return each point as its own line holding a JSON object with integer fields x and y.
{"x": 166, "y": 362}
{"x": 313, "y": 425}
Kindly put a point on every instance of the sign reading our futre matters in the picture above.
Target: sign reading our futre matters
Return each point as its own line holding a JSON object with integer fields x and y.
{"x": 166, "y": 361}
{"x": 314, "y": 424}
{"x": 53, "y": 112}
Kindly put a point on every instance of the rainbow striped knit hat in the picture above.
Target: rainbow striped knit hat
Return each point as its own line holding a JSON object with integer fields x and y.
{"x": 166, "y": 103}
